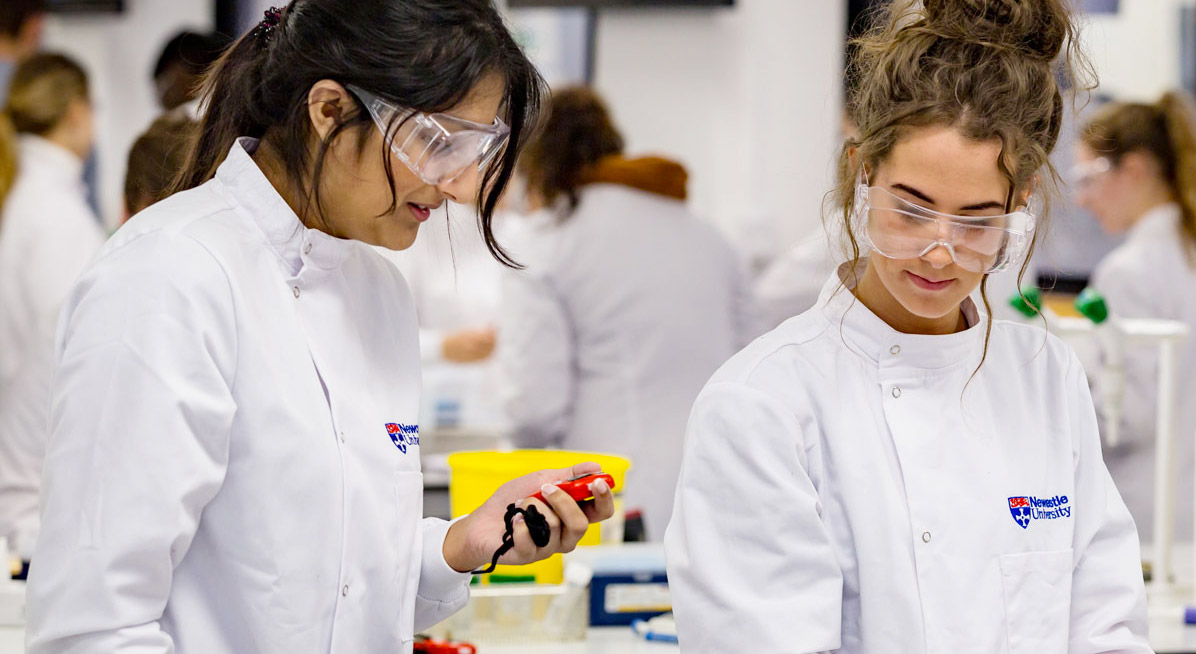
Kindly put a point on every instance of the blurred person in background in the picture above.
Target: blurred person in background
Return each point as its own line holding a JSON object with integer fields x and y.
{"x": 627, "y": 306}
{"x": 48, "y": 235}
{"x": 1136, "y": 172}
{"x": 456, "y": 286}
{"x": 156, "y": 158}
{"x": 21, "y": 23}
{"x": 180, "y": 69}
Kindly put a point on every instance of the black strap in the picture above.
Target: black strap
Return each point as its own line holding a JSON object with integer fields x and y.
{"x": 537, "y": 526}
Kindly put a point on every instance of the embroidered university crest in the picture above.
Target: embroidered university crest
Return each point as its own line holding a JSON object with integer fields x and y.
{"x": 1026, "y": 508}
{"x": 1020, "y": 508}
{"x": 403, "y": 435}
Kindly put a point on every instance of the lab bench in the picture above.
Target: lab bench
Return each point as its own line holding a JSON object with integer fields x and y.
{"x": 603, "y": 640}
{"x": 1167, "y": 637}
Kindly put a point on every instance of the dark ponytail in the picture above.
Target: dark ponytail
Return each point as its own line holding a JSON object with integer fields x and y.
{"x": 425, "y": 55}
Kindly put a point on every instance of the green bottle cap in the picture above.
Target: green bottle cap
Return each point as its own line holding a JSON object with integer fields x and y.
{"x": 1028, "y": 302}
{"x": 1092, "y": 305}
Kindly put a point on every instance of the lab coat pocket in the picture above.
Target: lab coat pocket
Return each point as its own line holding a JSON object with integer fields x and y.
{"x": 1037, "y": 601}
{"x": 409, "y": 507}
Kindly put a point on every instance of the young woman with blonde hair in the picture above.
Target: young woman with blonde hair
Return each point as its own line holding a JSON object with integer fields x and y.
{"x": 1136, "y": 172}
{"x": 892, "y": 470}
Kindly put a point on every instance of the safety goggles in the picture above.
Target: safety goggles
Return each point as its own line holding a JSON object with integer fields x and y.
{"x": 1085, "y": 173}
{"x": 437, "y": 147}
{"x": 899, "y": 229}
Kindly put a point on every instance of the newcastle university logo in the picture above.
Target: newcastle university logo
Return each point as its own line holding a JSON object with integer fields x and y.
{"x": 403, "y": 435}
{"x": 1026, "y": 508}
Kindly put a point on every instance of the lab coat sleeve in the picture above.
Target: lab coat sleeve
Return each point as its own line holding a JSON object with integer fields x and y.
{"x": 442, "y": 590}
{"x": 750, "y": 562}
{"x": 536, "y": 360}
{"x": 140, "y": 423}
{"x": 1108, "y": 598}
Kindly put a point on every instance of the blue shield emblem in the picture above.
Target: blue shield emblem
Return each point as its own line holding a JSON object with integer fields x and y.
{"x": 1019, "y": 507}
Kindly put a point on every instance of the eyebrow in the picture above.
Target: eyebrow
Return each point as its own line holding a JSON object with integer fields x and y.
{"x": 981, "y": 206}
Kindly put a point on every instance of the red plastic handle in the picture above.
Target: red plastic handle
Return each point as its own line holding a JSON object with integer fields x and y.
{"x": 579, "y": 487}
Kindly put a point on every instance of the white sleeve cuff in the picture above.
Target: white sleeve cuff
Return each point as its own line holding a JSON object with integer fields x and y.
{"x": 438, "y": 581}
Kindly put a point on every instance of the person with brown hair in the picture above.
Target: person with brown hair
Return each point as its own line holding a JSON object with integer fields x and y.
{"x": 1136, "y": 172}
{"x": 234, "y": 454}
{"x": 628, "y": 304}
{"x": 893, "y": 470}
{"x": 48, "y": 235}
{"x": 155, "y": 160}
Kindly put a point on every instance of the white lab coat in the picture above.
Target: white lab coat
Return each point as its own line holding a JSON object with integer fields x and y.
{"x": 1150, "y": 276}
{"x": 220, "y": 477}
{"x": 842, "y": 492}
{"x": 48, "y": 235}
{"x": 626, "y": 308}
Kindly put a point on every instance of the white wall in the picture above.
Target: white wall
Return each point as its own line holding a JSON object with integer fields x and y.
{"x": 1137, "y": 50}
{"x": 747, "y": 98}
{"x": 119, "y": 52}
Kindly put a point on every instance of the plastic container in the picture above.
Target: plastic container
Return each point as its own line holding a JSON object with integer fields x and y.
{"x": 477, "y": 475}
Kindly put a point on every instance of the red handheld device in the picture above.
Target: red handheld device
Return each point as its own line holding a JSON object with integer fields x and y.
{"x": 579, "y": 487}
{"x": 430, "y": 646}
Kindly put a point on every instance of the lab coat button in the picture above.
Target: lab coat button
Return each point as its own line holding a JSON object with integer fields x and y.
{"x": 926, "y": 537}
{"x": 342, "y": 437}
{"x": 895, "y": 350}
{"x": 295, "y": 289}
{"x": 345, "y": 591}
{"x": 896, "y": 391}
{"x": 307, "y": 249}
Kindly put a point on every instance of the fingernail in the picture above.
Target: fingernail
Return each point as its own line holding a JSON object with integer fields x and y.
{"x": 517, "y": 519}
{"x": 599, "y": 487}
{"x": 548, "y": 489}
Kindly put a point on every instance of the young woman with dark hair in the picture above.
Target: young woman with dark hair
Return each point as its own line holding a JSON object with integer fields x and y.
{"x": 234, "y": 460}
{"x": 892, "y": 470}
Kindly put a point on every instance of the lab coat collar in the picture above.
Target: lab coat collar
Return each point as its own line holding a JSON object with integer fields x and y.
{"x": 50, "y": 159}
{"x": 1162, "y": 220}
{"x": 886, "y": 347}
{"x": 296, "y": 244}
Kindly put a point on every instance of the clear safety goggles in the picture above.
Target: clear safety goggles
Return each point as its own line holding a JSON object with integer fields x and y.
{"x": 438, "y": 148}
{"x": 899, "y": 229}
{"x": 1085, "y": 173}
